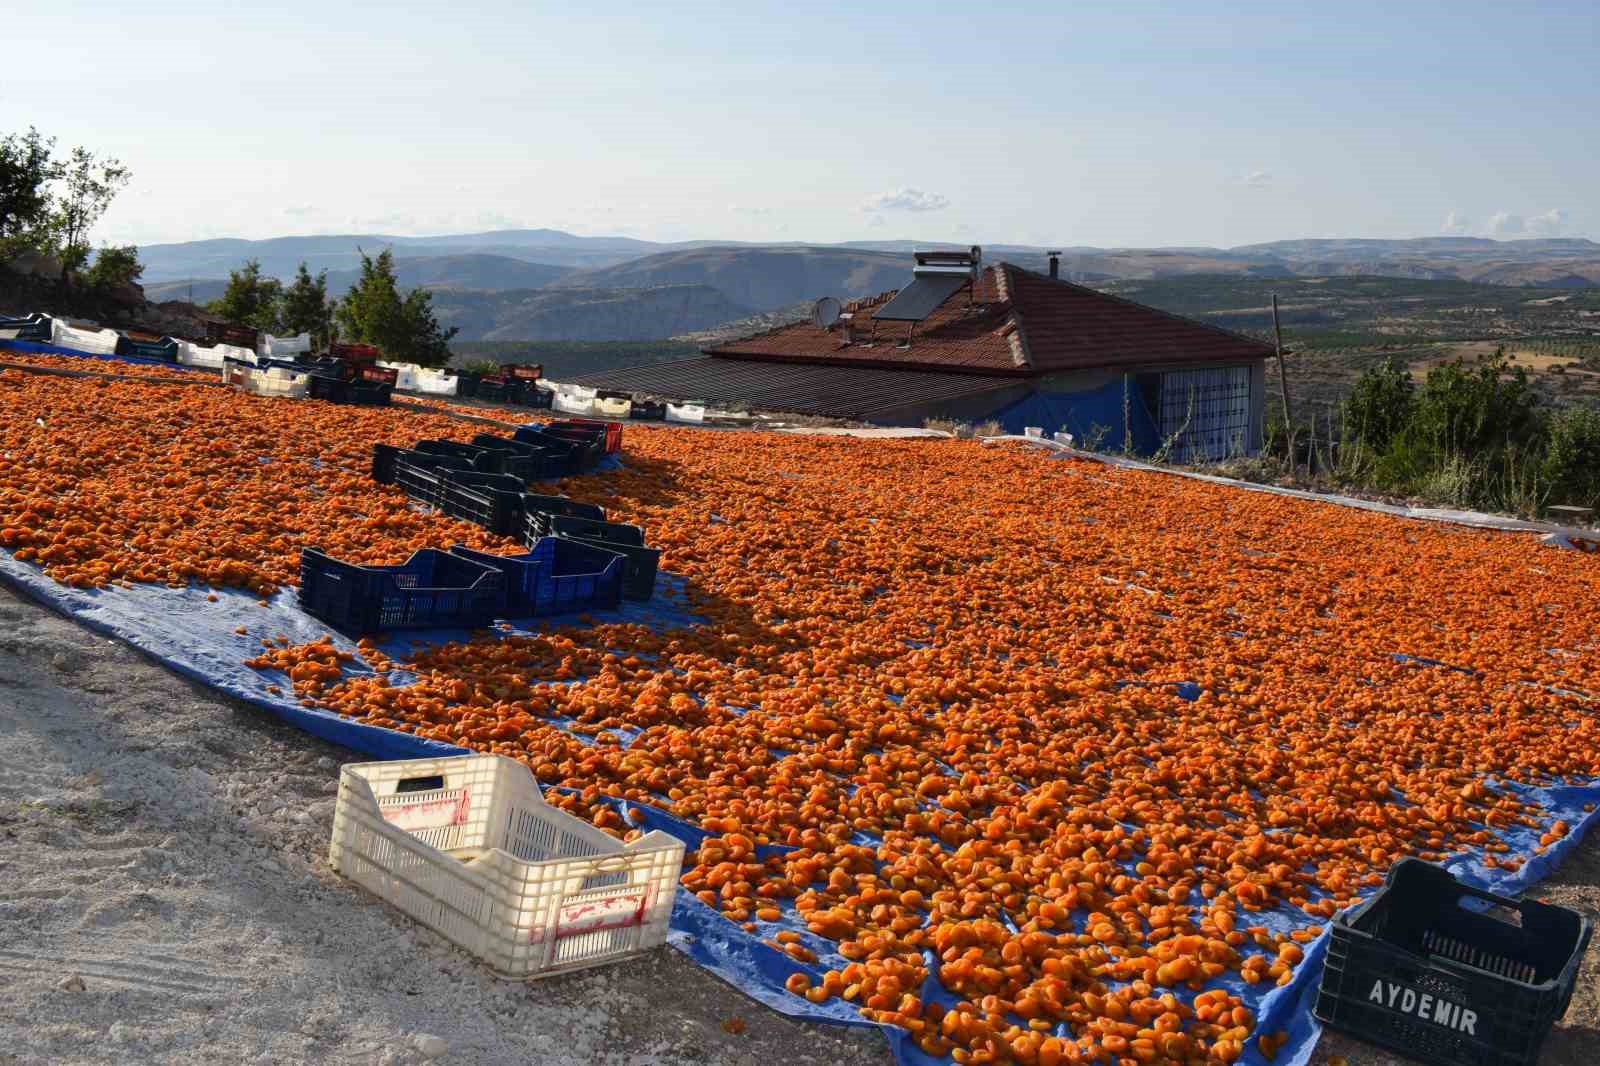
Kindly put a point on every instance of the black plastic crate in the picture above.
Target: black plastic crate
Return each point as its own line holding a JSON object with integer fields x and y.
{"x": 338, "y": 390}
{"x": 36, "y": 327}
{"x": 537, "y": 461}
{"x": 639, "y": 575}
{"x": 610, "y": 433}
{"x": 431, "y": 589}
{"x": 585, "y": 448}
{"x": 466, "y": 384}
{"x": 1449, "y": 974}
{"x": 561, "y": 505}
{"x": 493, "y": 501}
{"x": 533, "y": 396}
{"x": 554, "y": 577}
{"x": 648, "y": 411}
{"x": 574, "y": 455}
{"x": 385, "y": 458}
{"x": 489, "y": 458}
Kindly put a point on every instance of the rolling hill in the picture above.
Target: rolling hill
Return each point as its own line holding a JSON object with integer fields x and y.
{"x": 584, "y": 314}
{"x": 758, "y": 278}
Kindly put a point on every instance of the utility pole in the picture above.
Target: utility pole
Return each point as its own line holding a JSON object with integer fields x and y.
{"x": 1283, "y": 382}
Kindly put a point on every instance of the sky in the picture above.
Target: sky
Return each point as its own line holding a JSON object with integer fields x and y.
{"x": 1128, "y": 124}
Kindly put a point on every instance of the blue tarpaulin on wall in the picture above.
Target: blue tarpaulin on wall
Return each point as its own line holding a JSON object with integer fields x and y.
{"x": 1103, "y": 418}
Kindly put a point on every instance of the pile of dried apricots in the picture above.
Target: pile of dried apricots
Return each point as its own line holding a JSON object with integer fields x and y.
{"x": 1060, "y": 733}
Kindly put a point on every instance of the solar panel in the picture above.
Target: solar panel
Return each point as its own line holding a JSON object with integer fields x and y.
{"x": 916, "y": 301}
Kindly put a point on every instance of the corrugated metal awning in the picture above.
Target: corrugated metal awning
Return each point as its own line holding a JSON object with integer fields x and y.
{"x": 799, "y": 388}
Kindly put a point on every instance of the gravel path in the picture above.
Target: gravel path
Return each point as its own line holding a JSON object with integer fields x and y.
{"x": 165, "y": 898}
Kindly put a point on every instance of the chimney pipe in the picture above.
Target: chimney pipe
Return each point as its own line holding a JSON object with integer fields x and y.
{"x": 1055, "y": 264}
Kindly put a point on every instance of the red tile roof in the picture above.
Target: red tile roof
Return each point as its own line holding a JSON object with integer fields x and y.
{"x": 1013, "y": 321}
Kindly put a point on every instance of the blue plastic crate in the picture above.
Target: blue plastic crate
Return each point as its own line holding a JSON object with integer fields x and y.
{"x": 432, "y": 589}
{"x": 165, "y": 349}
{"x": 639, "y": 575}
{"x": 555, "y": 577}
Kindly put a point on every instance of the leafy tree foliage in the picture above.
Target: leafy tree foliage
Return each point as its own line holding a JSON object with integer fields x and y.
{"x": 1379, "y": 404}
{"x": 26, "y": 171}
{"x": 305, "y": 307}
{"x": 114, "y": 266}
{"x": 250, "y": 299}
{"x": 89, "y": 184}
{"x": 404, "y": 327}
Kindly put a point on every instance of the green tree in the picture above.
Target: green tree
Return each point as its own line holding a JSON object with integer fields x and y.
{"x": 305, "y": 306}
{"x": 1379, "y": 404}
{"x": 250, "y": 299}
{"x": 89, "y": 184}
{"x": 26, "y": 171}
{"x": 1572, "y": 461}
{"x": 404, "y": 327}
{"x": 114, "y": 266}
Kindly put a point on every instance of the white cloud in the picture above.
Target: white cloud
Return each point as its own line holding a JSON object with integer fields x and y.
{"x": 1257, "y": 179}
{"x": 1456, "y": 223}
{"x": 907, "y": 200}
{"x": 875, "y": 222}
{"x": 300, "y": 210}
{"x": 740, "y": 209}
{"x": 1551, "y": 223}
{"x": 1505, "y": 222}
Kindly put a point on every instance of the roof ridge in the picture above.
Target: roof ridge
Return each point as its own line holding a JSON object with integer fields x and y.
{"x": 1135, "y": 303}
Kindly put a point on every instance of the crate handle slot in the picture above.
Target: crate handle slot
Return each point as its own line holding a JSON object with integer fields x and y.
{"x": 1500, "y": 912}
{"x": 429, "y": 783}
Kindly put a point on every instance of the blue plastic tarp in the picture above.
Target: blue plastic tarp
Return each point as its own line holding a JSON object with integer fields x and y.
{"x": 1107, "y": 418}
{"x": 38, "y": 348}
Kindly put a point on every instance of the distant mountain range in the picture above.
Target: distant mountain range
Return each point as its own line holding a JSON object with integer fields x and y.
{"x": 492, "y": 276}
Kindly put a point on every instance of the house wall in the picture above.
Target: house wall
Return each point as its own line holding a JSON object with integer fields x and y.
{"x": 1087, "y": 403}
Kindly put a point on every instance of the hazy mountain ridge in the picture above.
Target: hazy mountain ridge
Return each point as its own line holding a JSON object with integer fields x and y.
{"x": 584, "y": 314}
{"x": 752, "y": 280}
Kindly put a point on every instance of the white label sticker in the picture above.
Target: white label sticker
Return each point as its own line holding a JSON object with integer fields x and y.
{"x": 433, "y": 812}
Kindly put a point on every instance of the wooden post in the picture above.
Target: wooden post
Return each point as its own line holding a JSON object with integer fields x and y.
{"x": 1283, "y": 382}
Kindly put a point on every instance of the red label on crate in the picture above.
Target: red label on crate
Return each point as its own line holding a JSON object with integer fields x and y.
{"x": 1424, "y": 1005}
{"x": 431, "y": 813}
{"x": 616, "y": 911}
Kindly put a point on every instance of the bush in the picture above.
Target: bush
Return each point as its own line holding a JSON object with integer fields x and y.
{"x": 1379, "y": 405}
{"x": 1572, "y": 460}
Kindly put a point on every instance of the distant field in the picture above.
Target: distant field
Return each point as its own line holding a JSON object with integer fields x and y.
{"x": 564, "y": 359}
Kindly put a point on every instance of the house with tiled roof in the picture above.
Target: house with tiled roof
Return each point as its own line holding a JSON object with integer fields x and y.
{"x": 971, "y": 342}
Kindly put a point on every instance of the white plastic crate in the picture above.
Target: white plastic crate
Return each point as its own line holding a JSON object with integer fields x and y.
{"x": 405, "y": 375}
{"x": 194, "y": 355}
{"x": 283, "y": 347}
{"x": 436, "y": 382}
{"x": 468, "y": 847}
{"x": 93, "y": 341}
{"x": 610, "y": 407}
{"x": 686, "y": 412}
{"x": 273, "y": 381}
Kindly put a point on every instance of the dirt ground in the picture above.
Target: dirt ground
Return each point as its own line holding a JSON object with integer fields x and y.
{"x": 165, "y": 898}
{"x": 164, "y": 850}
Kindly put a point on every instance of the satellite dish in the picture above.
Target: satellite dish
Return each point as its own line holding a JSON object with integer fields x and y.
{"x": 825, "y": 312}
